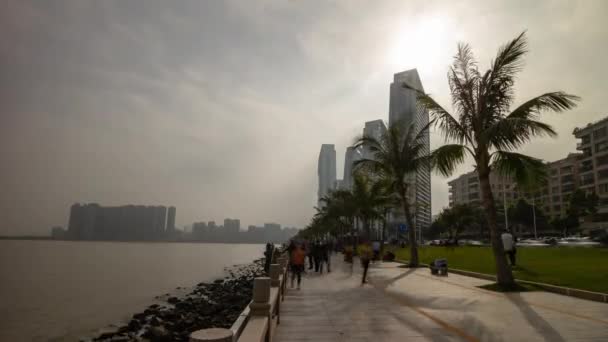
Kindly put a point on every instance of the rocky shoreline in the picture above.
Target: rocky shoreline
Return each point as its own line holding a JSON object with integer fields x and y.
{"x": 217, "y": 304}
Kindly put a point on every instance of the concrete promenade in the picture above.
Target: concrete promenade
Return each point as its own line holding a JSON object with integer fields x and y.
{"x": 401, "y": 304}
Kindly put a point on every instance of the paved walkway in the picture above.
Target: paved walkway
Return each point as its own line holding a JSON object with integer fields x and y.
{"x": 411, "y": 305}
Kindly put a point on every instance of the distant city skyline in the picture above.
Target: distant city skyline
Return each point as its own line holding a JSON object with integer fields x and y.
{"x": 219, "y": 107}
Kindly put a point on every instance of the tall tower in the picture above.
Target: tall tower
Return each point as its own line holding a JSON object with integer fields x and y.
{"x": 374, "y": 129}
{"x": 326, "y": 171}
{"x": 352, "y": 154}
{"x": 171, "y": 219}
{"x": 403, "y": 109}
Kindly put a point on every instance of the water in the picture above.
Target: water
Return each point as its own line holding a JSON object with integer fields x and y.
{"x": 61, "y": 290}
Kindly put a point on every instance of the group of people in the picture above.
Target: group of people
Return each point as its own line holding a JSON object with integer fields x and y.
{"x": 318, "y": 253}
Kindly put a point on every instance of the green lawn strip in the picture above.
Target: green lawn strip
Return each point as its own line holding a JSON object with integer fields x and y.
{"x": 575, "y": 267}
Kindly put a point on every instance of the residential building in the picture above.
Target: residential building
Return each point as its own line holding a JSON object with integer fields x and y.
{"x": 171, "y": 219}
{"x": 326, "y": 171}
{"x": 593, "y": 172}
{"x": 232, "y": 225}
{"x": 552, "y": 198}
{"x": 563, "y": 181}
{"x": 403, "y": 109}
{"x": 130, "y": 222}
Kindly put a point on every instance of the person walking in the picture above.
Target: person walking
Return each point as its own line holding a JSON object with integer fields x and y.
{"x": 365, "y": 254}
{"x": 316, "y": 255}
{"x": 309, "y": 254}
{"x": 508, "y": 244}
{"x": 297, "y": 260}
{"x": 323, "y": 256}
{"x": 376, "y": 250}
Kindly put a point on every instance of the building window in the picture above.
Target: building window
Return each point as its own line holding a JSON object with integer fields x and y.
{"x": 567, "y": 179}
{"x": 603, "y": 160}
{"x": 600, "y": 133}
{"x": 556, "y": 199}
{"x": 553, "y": 172}
{"x": 555, "y": 189}
{"x": 566, "y": 169}
{"x": 601, "y": 146}
{"x": 602, "y": 174}
{"x": 587, "y": 179}
{"x": 568, "y": 187}
{"x": 603, "y": 188}
{"x": 587, "y": 165}
{"x": 586, "y": 139}
{"x": 587, "y": 152}
{"x": 557, "y": 207}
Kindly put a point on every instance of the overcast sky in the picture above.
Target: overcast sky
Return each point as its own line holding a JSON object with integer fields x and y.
{"x": 220, "y": 107}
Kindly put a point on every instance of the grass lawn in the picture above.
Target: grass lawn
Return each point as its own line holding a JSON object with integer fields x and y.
{"x": 576, "y": 267}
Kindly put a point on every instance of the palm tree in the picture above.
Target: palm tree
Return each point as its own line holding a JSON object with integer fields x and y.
{"x": 370, "y": 200}
{"x": 486, "y": 128}
{"x": 397, "y": 155}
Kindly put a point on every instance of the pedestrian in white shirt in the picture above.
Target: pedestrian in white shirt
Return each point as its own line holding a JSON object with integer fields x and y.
{"x": 508, "y": 244}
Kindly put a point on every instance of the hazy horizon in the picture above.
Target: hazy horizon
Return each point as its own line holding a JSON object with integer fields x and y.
{"x": 220, "y": 108}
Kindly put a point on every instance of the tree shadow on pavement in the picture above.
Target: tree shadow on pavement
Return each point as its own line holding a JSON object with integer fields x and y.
{"x": 544, "y": 328}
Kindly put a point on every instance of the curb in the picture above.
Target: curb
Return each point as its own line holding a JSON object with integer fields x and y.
{"x": 566, "y": 291}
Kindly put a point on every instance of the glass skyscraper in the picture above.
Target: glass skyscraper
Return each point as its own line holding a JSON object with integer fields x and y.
{"x": 403, "y": 109}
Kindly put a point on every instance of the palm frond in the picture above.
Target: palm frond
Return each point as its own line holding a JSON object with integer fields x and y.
{"x": 522, "y": 124}
{"x": 526, "y": 170}
{"x": 449, "y": 126}
{"x": 447, "y": 157}
{"x": 496, "y": 88}
{"x": 557, "y": 101}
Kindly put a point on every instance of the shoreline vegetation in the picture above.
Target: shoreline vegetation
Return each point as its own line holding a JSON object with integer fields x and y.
{"x": 215, "y": 304}
{"x": 581, "y": 268}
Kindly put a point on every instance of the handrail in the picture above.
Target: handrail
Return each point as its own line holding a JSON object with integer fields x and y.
{"x": 259, "y": 320}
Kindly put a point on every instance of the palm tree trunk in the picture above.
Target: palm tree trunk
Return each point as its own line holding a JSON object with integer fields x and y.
{"x": 504, "y": 276}
{"x": 411, "y": 233}
{"x": 383, "y": 234}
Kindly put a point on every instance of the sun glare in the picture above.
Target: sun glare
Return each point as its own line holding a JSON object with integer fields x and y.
{"x": 420, "y": 44}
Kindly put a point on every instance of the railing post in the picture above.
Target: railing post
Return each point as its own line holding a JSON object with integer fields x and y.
{"x": 260, "y": 305}
{"x": 283, "y": 261}
{"x": 212, "y": 335}
{"x": 275, "y": 272}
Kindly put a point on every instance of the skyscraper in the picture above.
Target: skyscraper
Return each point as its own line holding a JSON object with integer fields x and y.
{"x": 352, "y": 154}
{"x": 403, "y": 109}
{"x": 374, "y": 129}
{"x": 326, "y": 170}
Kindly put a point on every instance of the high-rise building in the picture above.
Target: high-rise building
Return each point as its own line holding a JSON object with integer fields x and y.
{"x": 553, "y": 198}
{"x": 326, "y": 171}
{"x": 232, "y": 225}
{"x": 130, "y": 222}
{"x": 374, "y": 129}
{"x": 403, "y": 110}
{"x": 171, "y": 219}
{"x": 350, "y": 157}
{"x": 593, "y": 175}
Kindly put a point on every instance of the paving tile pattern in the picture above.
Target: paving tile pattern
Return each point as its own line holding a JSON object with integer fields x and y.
{"x": 411, "y": 305}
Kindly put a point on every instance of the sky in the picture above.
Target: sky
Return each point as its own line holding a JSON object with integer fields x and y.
{"x": 220, "y": 107}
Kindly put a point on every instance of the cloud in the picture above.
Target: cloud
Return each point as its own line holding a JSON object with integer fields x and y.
{"x": 220, "y": 108}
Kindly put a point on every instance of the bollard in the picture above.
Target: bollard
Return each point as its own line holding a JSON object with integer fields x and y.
{"x": 260, "y": 305}
{"x": 275, "y": 271}
{"x": 212, "y": 335}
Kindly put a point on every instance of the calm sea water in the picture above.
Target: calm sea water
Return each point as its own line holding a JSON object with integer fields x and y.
{"x": 60, "y": 290}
